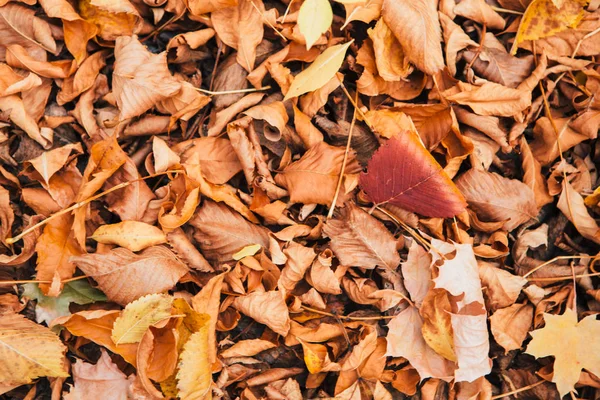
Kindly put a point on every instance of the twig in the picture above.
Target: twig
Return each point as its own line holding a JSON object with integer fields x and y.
{"x": 250, "y": 90}
{"x": 523, "y": 389}
{"x": 355, "y": 104}
{"x": 75, "y": 206}
{"x": 10, "y": 283}
{"x": 344, "y": 161}
{"x": 563, "y": 278}
{"x": 268, "y": 22}
{"x": 556, "y": 259}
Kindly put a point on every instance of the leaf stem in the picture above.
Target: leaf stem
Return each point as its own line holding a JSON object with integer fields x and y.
{"x": 523, "y": 389}
{"x": 556, "y": 259}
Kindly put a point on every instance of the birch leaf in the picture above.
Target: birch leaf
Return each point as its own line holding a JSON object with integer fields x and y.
{"x": 138, "y": 316}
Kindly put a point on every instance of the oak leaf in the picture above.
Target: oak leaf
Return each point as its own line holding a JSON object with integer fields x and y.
{"x": 577, "y": 349}
{"x": 403, "y": 173}
{"x": 125, "y": 276}
{"x": 132, "y": 235}
{"x": 29, "y": 351}
{"x": 358, "y": 239}
{"x": 138, "y": 316}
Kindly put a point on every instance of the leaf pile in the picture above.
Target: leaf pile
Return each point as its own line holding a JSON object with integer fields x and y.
{"x": 299, "y": 199}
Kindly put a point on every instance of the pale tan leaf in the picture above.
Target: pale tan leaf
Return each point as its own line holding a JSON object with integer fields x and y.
{"x": 573, "y": 207}
{"x": 125, "y": 276}
{"x": 416, "y": 272}
{"x": 358, "y": 239}
{"x": 164, "y": 157}
{"x": 314, "y": 19}
{"x": 491, "y": 99}
{"x": 480, "y": 11}
{"x": 503, "y": 288}
{"x": 299, "y": 259}
{"x": 496, "y": 198}
{"x": 132, "y": 235}
{"x": 511, "y": 325}
{"x": 417, "y": 28}
{"x": 247, "y": 348}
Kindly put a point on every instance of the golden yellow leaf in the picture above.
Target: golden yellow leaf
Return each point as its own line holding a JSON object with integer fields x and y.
{"x": 133, "y": 235}
{"x": 319, "y": 72}
{"x": 314, "y": 356}
{"x": 314, "y": 19}
{"x": 112, "y": 18}
{"x": 194, "y": 378}
{"x": 574, "y": 346}
{"x": 139, "y": 315}
{"x": 247, "y": 251}
{"x": 28, "y": 351}
{"x": 543, "y": 18}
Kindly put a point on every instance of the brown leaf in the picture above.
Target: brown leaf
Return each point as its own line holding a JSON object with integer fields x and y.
{"x": 267, "y": 308}
{"x": 495, "y": 198}
{"x": 125, "y": 276}
{"x": 221, "y": 232}
{"x": 241, "y": 27}
{"x": 418, "y": 182}
{"x": 299, "y": 259}
{"x": 573, "y": 207}
{"x": 545, "y": 146}
{"x": 491, "y": 99}
{"x": 480, "y": 11}
{"x": 511, "y": 325}
{"x": 417, "y": 28}
{"x": 313, "y": 178}
{"x": 358, "y": 239}
{"x": 140, "y": 79}
{"x": 503, "y": 288}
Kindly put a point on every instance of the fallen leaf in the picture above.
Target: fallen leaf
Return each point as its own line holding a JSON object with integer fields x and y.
{"x": 576, "y": 349}
{"x": 571, "y": 204}
{"x": 194, "y": 378}
{"x": 319, "y": 72}
{"x": 125, "y": 276}
{"x": 418, "y": 182}
{"x": 33, "y": 350}
{"x": 138, "y": 316}
{"x": 314, "y": 19}
{"x": 496, "y": 198}
{"x": 132, "y": 235}
{"x": 358, "y": 239}
{"x": 267, "y": 308}
{"x": 491, "y": 99}
{"x": 510, "y": 325}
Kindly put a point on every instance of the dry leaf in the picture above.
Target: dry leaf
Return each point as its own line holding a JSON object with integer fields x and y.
{"x": 491, "y": 99}
{"x": 267, "y": 308}
{"x": 495, "y": 198}
{"x": 576, "y": 349}
{"x": 573, "y": 207}
{"x": 358, "y": 239}
{"x": 124, "y": 276}
{"x": 418, "y": 182}
{"x": 510, "y": 325}
{"x": 194, "y": 378}
{"x": 138, "y": 316}
{"x": 314, "y": 19}
{"x": 132, "y": 235}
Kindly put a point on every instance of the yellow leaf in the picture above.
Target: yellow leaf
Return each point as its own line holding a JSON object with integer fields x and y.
{"x": 194, "y": 378}
{"x": 314, "y": 356}
{"x": 113, "y": 18}
{"x": 133, "y": 235}
{"x": 247, "y": 251}
{"x": 543, "y": 18}
{"x": 314, "y": 19}
{"x": 139, "y": 315}
{"x": 574, "y": 346}
{"x": 28, "y": 351}
{"x": 319, "y": 72}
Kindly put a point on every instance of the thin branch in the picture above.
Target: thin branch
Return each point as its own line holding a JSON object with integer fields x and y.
{"x": 268, "y": 22}
{"x": 10, "y": 283}
{"x": 556, "y": 259}
{"x": 75, "y": 206}
{"x": 523, "y": 389}
{"x": 210, "y": 92}
{"x": 344, "y": 161}
{"x": 563, "y": 278}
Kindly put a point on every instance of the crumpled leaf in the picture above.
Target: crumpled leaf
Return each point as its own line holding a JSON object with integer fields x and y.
{"x": 103, "y": 377}
{"x": 576, "y": 349}
{"x": 417, "y": 28}
{"x": 510, "y": 325}
{"x": 33, "y": 350}
{"x": 360, "y": 240}
{"x": 140, "y": 79}
{"x": 266, "y": 308}
{"x": 418, "y": 182}
{"x": 491, "y": 99}
{"x": 132, "y": 235}
{"x": 573, "y": 207}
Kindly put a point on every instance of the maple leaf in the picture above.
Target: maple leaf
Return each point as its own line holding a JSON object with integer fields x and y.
{"x": 577, "y": 348}
{"x": 403, "y": 173}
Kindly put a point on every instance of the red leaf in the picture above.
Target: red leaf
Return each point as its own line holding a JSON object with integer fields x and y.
{"x": 404, "y": 173}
